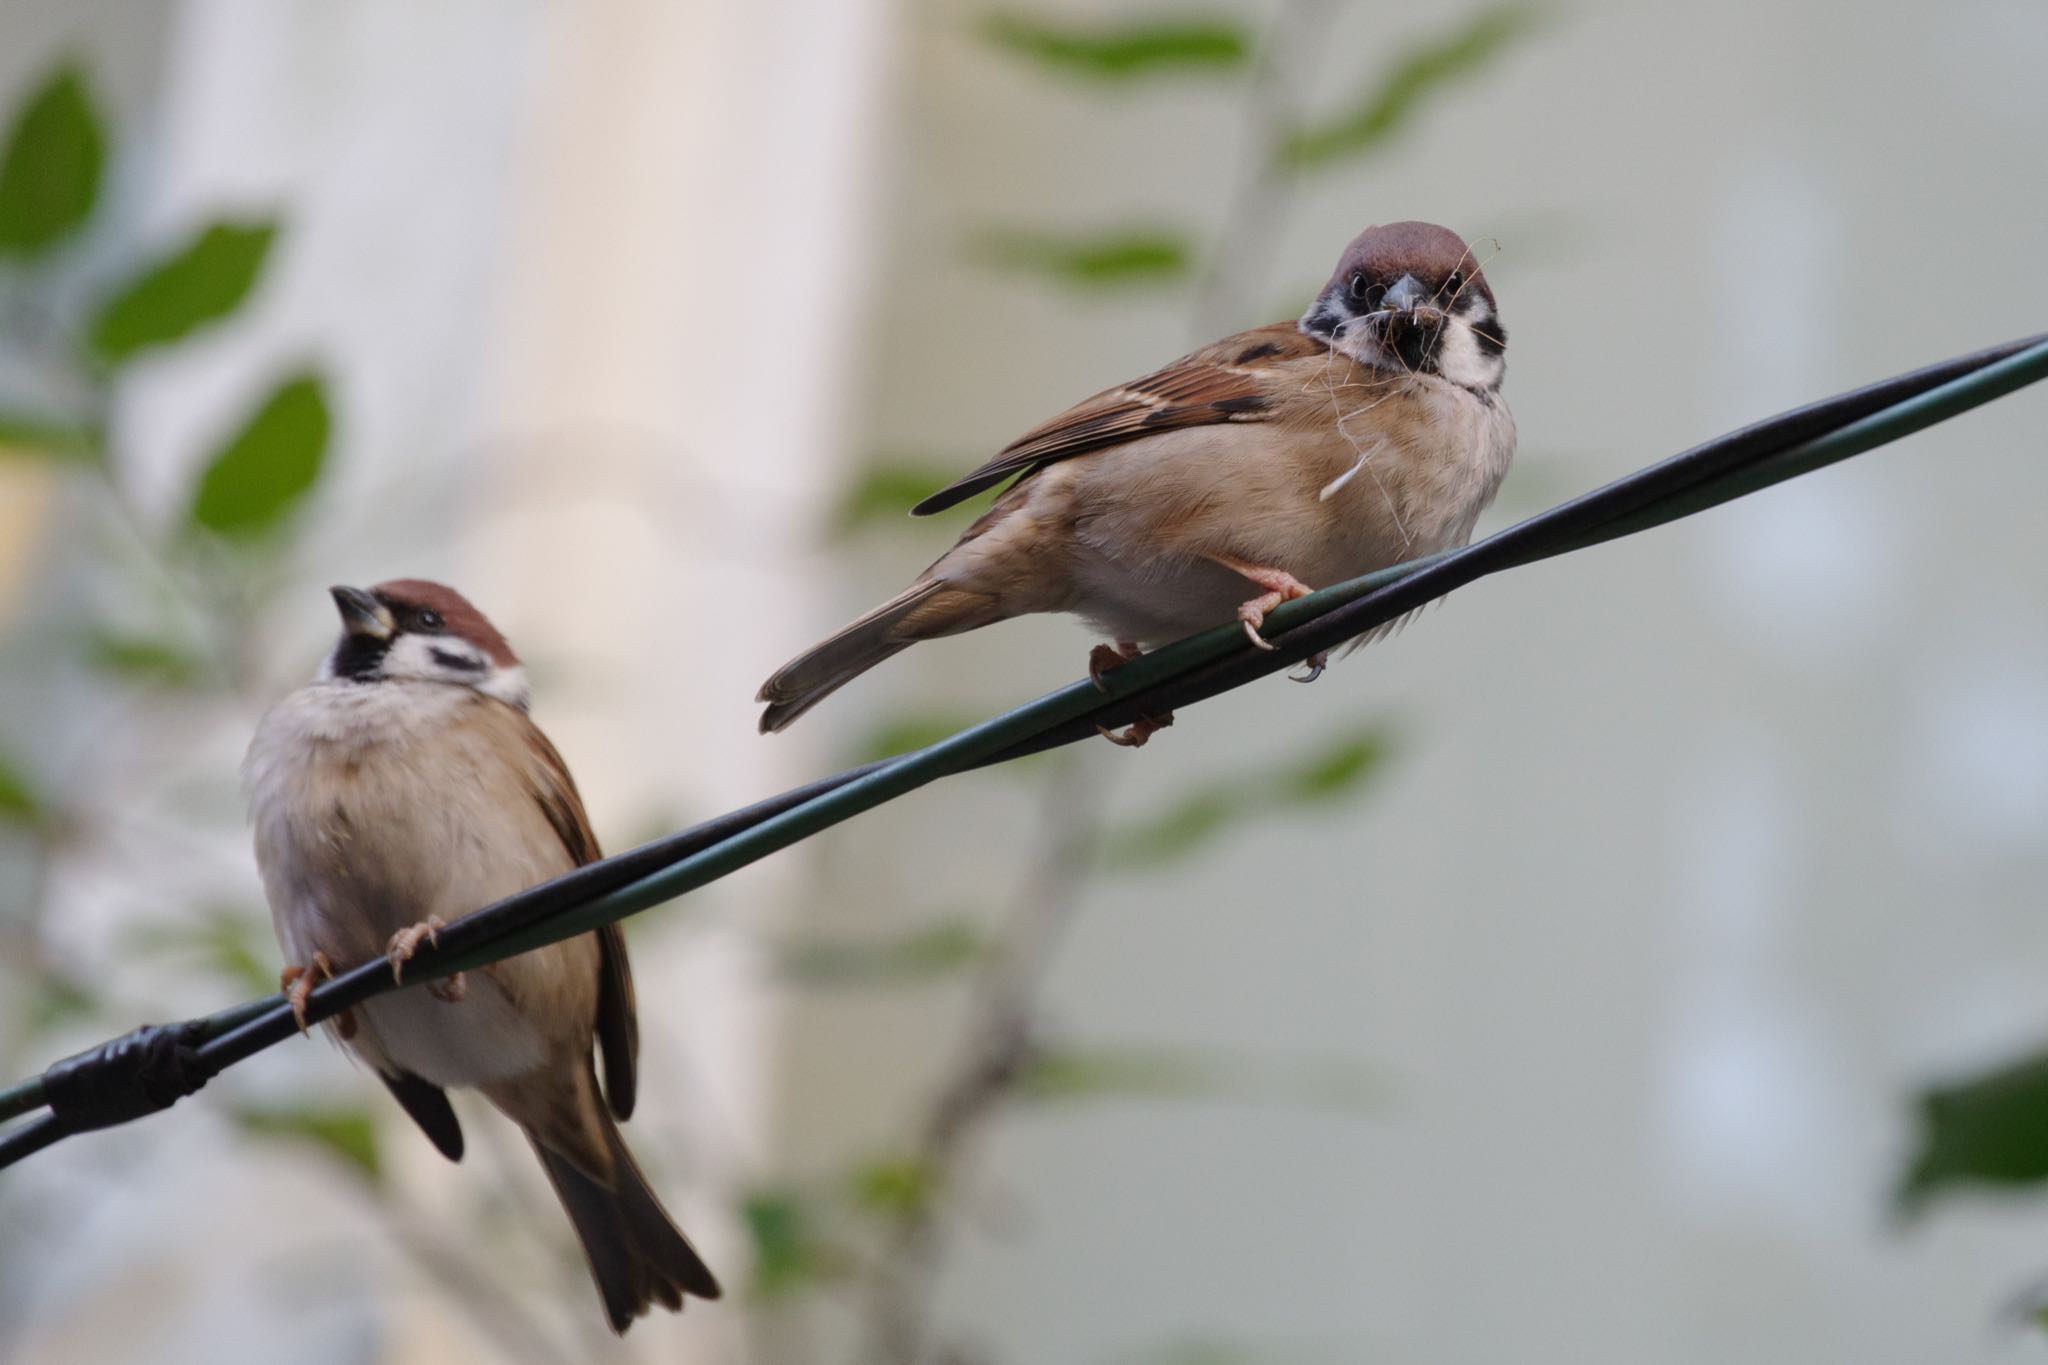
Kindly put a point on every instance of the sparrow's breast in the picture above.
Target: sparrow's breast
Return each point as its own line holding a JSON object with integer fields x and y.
{"x": 377, "y": 807}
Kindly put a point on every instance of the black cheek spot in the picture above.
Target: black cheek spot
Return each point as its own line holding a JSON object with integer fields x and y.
{"x": 1491, "y": 336}
{"x": 461, "y": 663}
{"x": 1238, "y": 407}
{"x": 359, "y": 657}
{"x": 1258, "y": 352}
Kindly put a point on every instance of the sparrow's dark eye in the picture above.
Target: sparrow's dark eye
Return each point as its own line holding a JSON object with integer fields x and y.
{"x": 1453, "y": 282}
{"x": 429, "y": 620}
{"x": 1367, "y": 294}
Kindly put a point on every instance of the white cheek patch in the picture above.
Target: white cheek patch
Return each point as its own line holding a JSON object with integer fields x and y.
{"x": 1459, "y": 357}
{"x": 508, "y": 685}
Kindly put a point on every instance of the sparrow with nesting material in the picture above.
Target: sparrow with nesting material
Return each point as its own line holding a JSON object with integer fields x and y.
{"x": 1369, "y": 432}
{"x": 406, "y": 786}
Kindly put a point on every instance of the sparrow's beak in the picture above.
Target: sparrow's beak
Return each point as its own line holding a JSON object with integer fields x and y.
{"x": 1406, "y": 294}
{"x": 362, "y": 614}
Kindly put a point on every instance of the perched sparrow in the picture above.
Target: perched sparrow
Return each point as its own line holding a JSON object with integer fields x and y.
{"x": 405, "y": 786}
{"x": 1299, "y": 454}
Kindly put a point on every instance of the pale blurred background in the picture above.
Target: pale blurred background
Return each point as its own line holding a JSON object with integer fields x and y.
{"x": 1550, "y": 983}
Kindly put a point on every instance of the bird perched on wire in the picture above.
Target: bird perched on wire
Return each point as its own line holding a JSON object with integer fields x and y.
{"x": 1239, "y": 477}
{"x": 405, "y": 786}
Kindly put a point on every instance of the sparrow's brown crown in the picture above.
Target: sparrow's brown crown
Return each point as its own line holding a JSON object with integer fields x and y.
{"x": 408, "y": 599}
{"x": 1430, "y": 253}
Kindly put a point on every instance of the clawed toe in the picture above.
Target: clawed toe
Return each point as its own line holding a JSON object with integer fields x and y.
{"x": 297, "y": 983}
{"x": 1102, "y": 658}
{"x": 1315, "y": 663}
{"x": 407, "y": 941}
{"x": 1134, "y": 735}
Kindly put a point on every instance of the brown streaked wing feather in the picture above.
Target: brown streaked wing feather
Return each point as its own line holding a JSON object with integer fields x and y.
{"x": 618, "y": 1027}
{"x": 428, "y": 1105}
{"x": 1226, "y": 381}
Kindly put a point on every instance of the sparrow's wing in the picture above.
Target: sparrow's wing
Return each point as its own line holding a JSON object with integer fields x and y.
{"x": 618, "y": 1028}
{"x": 429, "y": 1107}
{"x": 1231, "y": 380}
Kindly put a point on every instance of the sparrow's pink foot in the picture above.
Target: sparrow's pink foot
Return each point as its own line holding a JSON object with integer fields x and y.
{"x": 1280, "y": 585}
{"x": 1134, "y": 735}
{"x": 1315, "y": 663}
{"x": 297, "y": 983}
{"x": 1102, "y": 658}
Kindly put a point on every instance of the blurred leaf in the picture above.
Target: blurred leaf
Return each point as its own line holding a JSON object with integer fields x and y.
{"x": 22, "y": 436}
{"x": 260, "y": 475}
{"x": 1336, "y": 767}
{"x": 202, "y": 283}
{"x": 55, "y": 1001}
{"x": 156, "y": 662}
{"x": 1106, "y": 261}
{"x": 1399, "y": 94}
{"x": 1121, "y": 52}
{"x": 788, "y": 1253}
{"x": 910, "y": 731}
{"x": 898, "y": 1188}
{"x": 18, "y": 802}
{"x": 887, "y": 490}
{"x": 347, "y": 1133}
{"x": 232, "y": 944}
{"x": 50, "y": 174}
{"x": 915, "y": 956}
{"x": 1991, "y": 1129}
{"x": 1071, "y": 1074}
{"x": 1336, "y": 773}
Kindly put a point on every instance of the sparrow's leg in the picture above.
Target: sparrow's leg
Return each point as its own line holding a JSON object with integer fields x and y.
{"x": 407, "y": 941}
{"x": 297, "y": 983}
{"x": 1134, "y": 735}
{"x": 1315, "y": 663}
{"x": 1280, "y": 585}
{"x": 1100, "y": 660}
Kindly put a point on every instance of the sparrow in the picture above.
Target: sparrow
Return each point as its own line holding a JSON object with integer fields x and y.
{"x": 1241, "y": 476}
{"x": 405, "y": 786}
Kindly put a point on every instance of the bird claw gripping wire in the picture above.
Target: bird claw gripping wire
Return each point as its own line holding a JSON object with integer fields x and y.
{"x": 136, "y": 1074}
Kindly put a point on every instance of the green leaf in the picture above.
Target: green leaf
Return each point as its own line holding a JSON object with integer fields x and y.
{"x": 916, "y": 956}
{"x": 1337, "y": 773}
{"x": 203, "y": 282}
{"x": 349, "y": 1134}
{"x": 157, "y": 663}
{"x": 230, "y": 943}
{"x": 18, "y": 803}
{"x": 26, "y": 437}
{"x": 50, "y": 174}
{"x": 55, "y": 1001}
{"x": 1113, "y": 260}
{"x": 1335, "y": 768}
{"x": 888, "y": 489}
{"x": 1071, "y": 1074}
{"x": 788, "y": 1253}
{"x": 896, "y": 1188}
{"x": 273, "y": 462}
{"x": 1123, "y": 51}
{"x": 1399, "y": 94}
{"x": 1989, "y": 1130}
{"x": 910, "y": 731}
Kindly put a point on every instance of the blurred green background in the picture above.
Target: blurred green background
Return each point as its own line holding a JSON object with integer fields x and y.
{"x": 1638, "y": 958}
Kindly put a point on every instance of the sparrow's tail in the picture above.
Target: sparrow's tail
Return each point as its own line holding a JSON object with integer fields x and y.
{"x": 925, "y": 610}
{"x": 637, "y": 1255}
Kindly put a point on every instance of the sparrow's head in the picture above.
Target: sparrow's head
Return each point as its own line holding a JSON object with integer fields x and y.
{"x": 1410, "y": 297}
{"x": 410, "y": 630}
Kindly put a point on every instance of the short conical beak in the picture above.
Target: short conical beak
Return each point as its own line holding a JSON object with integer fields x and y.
{"x": 362, "y": 614}
{"x": 1406, "y": 294}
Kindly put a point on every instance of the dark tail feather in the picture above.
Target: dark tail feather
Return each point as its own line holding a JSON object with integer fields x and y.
{"x": 638, "y": 1256}
{"x": 925, "y": 610}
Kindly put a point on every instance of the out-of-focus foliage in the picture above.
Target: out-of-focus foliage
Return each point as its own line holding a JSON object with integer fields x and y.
{"x": 204, "y": 281}
{"x": 1986, "y": 1131}
{"x": 790, "y": 1252}
{"x": 1141, "y": 257}
{"x": 347, "y": 1134}
{"x": 260, "y": 475}
{"x": 50, "y": 177}
{"x": 888, "y": 488}
{"x": 919, "y": 955}
{"x": 18, "y": 803}
{"x": 1391, "y": 102}
{"x": 1337, "y": 768}
{"x": 1123, "y": 51}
